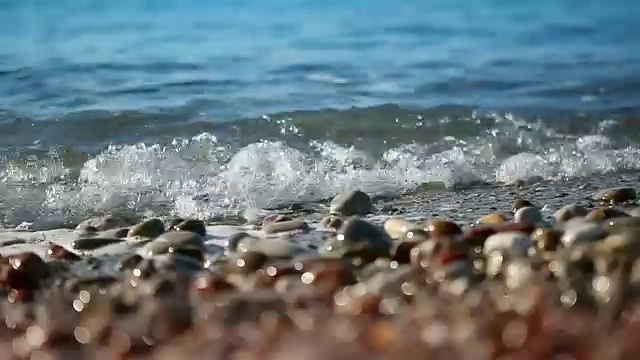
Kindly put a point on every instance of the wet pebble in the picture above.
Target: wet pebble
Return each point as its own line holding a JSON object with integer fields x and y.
{"x": 569, "y": 212}
{"x": 615, "y": 195}
{"x": 351, "y": 203}
{"x": 151, "y": 228}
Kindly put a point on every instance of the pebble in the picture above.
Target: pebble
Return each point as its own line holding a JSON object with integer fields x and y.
{"x": 615, "y": 195}
{"x": 519, "y": 204}
{"x": 603, "y": 213}
{"x": 492, "y": 219}
{"x": 358, "y": 236}
{"x": 410, "y": 281}
{"x": 276, "y": 248}
{"x": 528, "y": 215}
{"x": 569, "y": 212}
{"x": 577, "y": 233}
{"x": 438, "y": 228}
{"x": 102, "y": 223}
{"x": 398, "y": 228}
{"x": 351, "y": 203}
{"x": 193, "y": 225}
{"x": 151, "y": 228}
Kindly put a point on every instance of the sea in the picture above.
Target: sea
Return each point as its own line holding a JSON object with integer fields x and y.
{"x": 209, "y": 108}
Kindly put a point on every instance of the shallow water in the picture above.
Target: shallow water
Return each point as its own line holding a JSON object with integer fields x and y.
{"x": 173, "y": 107}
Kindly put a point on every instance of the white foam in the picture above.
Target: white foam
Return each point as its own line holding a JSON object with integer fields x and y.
{"x": 202, "y": 177}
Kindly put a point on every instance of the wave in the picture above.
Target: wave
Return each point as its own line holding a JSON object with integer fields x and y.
{"x": 289, "y": 158}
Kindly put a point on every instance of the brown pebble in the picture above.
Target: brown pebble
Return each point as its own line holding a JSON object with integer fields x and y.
{"x": 520, "y": 203}
{"x": 151, "y": 228}
{"x": 442, "y": 228}
{"x": 193, "y": 225}
{"x": 615, "y": 195}
{"x": 569, "y": 212}
{"x": 492, "y": 219}
{"x": 603, "y": 213}
{"x": 59, "y": 253}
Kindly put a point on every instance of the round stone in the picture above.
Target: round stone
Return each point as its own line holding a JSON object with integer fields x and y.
{"x": 351, "y": 203}
{"x": 359, "y": 236}
{"x": 442, "y": 228}
{"x": 181, "y": 238}
{"x": 569, "y": 212}
{"x": 615, "y": 195}
{"x": 275, "y": 248}
{"x": 284, "y": 226}
{"x": 397, "y": 228}
{"x": 603, "y": 213}
{"x": 193, "y": 225}
{"x": 577, "y": 233}
{"x": 516, "y": 244}
{"x": 528, "y": 215}
{"x": 151, "y": 228}
{"x": 521, "y": 203}
{"x": 492, "y": 219}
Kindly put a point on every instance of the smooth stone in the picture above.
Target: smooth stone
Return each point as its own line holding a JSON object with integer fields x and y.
{"x": 635, "y": 212}
{"x": 331, "y": 222}
{"x": 275, "y": 248}
{"x": 528, "y": 215}
{"x": 282, "y": 226}
{"x": 520, "y": 203}
{"x": 516, "y": 244}
{"x": 151, "y": 228}
{"x": 603, "y": 213}
{"x": 581, "y": 233}
{"x": 102, "y": 223}
{"x": 569, "y": 212}
{"x": 93, "y": 243}
{"x": 351, "y": 203}
{"x": 615, "y": 195}
{"x": 442, "y": 228}
{"x": 398, "y": 228}
{"x": 155, "y": 248}
{"x": 357, "y": 235}
{"x": 193, "y": 225}
{"x": 492, "y": 219}
{"x": 181, "y": 238}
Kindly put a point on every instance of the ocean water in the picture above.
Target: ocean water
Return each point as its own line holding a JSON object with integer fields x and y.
{"x": 203, "y": 108}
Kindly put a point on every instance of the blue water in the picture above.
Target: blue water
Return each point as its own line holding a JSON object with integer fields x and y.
{"x": 227, "y": 59}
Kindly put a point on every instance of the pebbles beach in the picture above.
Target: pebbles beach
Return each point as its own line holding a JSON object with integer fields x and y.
{"x": 539, "y": 270}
